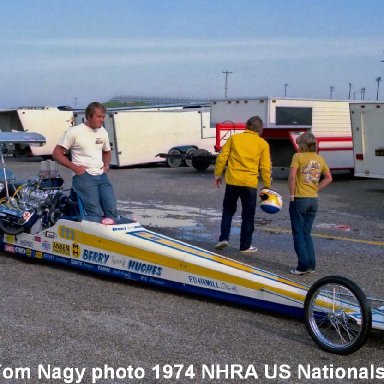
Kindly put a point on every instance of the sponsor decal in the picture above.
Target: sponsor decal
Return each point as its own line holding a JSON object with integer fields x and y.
{"x": 46, "y": 245}
{"x": 50, "y": 234}
{"x": 10, "y": 239}
{"x": 67, "y": 233}
{"x": 28, "y": 252}
{"x": 119, "y": 229}
{"x": 26, "y": 216}
{"x": 39, "y": 255}
{"x": 149, "y": 269}
{"x": 20, "y": 250}
{"x": 38, "y": 239}
{"x": 126, "y": 228}
{"x": 95, "y": 257}
{"x": 61, "y": 248}
{"x": 9, "y": 248}
{"x": 75, "y": 250}
{"x": 26, "y": 243}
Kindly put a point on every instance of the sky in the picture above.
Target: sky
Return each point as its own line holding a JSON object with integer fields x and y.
{"x": 71, "y": 52}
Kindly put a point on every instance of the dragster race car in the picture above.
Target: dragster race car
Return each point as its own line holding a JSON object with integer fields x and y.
{"x": 41, "y": 220}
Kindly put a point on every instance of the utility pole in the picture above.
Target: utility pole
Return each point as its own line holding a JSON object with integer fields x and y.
{"x": 349, "y": 92}
{"x": 378, "y": 79}
{"x": 331, "y": 89}
{"x": 285, "y": 89}
{"x": 362, "y": 93}
{"x": 226, "y": 81}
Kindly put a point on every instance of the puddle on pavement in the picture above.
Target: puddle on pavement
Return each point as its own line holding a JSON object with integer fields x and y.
{"x": 187, "y": 220}
{"x": 191, "y": 223}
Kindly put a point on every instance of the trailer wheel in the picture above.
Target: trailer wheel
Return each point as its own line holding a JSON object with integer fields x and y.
{"x": 200, "y": 160}
{"x": 175, "y": 161}
{"x": 189, "y": 153}
{"x": 337, "y": 315}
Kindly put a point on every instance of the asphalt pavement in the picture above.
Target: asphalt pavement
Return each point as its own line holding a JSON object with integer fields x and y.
{"x": 59, "y": 325}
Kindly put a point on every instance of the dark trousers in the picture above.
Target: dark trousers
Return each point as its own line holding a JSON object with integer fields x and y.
{"x": 247, "y": 197}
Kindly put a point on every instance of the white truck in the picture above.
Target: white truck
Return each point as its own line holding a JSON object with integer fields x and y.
{"x": 367, "y": 121}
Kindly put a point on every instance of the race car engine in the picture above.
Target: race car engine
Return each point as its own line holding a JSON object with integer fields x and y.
{"x": 33, "y": 196}
{"x": 39, "y": 201}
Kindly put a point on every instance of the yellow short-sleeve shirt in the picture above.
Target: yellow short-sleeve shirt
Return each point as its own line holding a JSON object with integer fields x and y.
{"x": 309, "y": 166}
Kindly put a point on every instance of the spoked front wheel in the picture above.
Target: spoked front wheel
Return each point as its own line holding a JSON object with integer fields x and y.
{"x": 337, "y": 315}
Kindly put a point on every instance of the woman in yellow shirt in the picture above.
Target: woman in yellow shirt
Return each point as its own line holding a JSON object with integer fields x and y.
{"x": 304, "y": 184}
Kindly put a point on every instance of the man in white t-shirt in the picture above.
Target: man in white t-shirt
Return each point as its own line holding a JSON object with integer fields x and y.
{"x": 91, "y": 155}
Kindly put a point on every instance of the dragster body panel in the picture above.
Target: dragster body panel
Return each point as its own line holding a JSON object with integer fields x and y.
{"x": 132, "y": 252}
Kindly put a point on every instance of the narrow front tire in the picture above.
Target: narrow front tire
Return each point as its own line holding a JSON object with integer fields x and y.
{"x": 338, "y": 316}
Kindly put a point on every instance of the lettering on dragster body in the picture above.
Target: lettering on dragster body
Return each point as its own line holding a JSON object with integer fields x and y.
{"x": 144, "y": 268}
{"x": 202, "y": 281}
{"x": 67, "y": 233}
{"x": 212, "y": 283}
{"x": 96, "y": 257}
{"x": 61, "y": 248}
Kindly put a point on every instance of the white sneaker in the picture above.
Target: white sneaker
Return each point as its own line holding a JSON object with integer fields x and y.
{"x": 297, "y": 272}
{"x": 251, "y": 249}
{"x": 221, "y": 245}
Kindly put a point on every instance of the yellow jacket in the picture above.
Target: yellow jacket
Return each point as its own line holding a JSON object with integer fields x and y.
{"x": 245, "y": 154}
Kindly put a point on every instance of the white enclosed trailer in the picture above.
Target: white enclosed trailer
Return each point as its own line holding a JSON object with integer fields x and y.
{"x": 367, "y": 121}
{"x": 284, "y": 119}
{"x": 51, "y": 122}
{"x": 137, "y": 136}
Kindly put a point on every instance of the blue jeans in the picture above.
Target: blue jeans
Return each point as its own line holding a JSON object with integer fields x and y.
{"x": 247, "y": 197}
{"x": 302, "y": 212}
{"x": 96, "y": 193}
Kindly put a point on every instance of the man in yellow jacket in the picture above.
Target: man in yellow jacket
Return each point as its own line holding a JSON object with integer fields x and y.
{"x": 246, "y": 155}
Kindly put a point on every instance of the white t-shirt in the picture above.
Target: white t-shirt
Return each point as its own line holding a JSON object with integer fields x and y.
{"x": 87, "y": 146}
